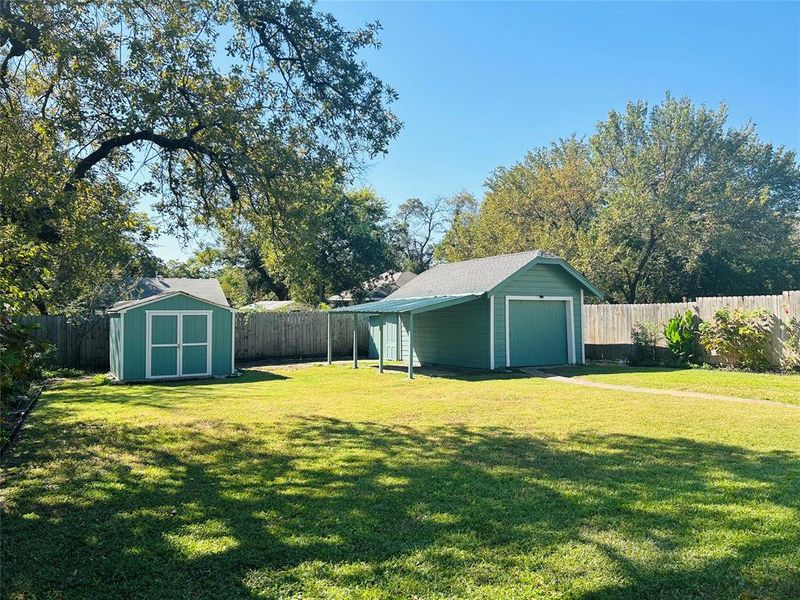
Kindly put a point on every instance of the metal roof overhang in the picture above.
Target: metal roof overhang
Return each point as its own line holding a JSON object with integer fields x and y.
{"x": 406, "y": 305}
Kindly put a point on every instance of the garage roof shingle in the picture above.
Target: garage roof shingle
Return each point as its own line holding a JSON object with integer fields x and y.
{"x": 474, "y": 276}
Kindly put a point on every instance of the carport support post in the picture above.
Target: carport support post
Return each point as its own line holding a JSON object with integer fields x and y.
{"x": 411, "y": 345}
{"x": 380, "y": 346}
{"x": 330, "y": 349}
{"x": 355, "y": 340}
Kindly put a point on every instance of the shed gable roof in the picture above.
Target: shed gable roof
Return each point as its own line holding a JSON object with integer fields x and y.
{"x": 149, "y": 288}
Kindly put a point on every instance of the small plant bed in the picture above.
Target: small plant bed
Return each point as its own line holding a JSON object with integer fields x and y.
{"x": 15, "y": 410}
{"x": 760, "y": 386}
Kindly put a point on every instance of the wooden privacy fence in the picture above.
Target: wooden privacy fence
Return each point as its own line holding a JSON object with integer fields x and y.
{"x": 259, "y": 336}
{"x": 262, "y": 336}
{"x": 608, "y": 326}
{"x": 81, "y": 345}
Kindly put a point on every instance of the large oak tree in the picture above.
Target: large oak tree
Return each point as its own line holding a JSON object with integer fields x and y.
{"x": 215, "y": 107}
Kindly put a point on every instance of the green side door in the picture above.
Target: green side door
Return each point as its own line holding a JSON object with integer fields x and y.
{"x": 537, "y": 332}
{"x": 374, "y": 332}
{"x": 389, "y": 336}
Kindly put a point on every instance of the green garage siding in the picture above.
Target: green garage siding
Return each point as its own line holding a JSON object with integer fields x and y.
{"x": 460, "y": 335}
{"x": 134, "y": 356}
{"x": 456, "y": 336}
{"x": 539, "y": 280}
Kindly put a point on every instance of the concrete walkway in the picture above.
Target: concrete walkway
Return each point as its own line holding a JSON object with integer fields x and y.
{"x": 656, "y": 391}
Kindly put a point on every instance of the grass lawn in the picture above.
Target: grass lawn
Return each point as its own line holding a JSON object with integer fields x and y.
{"x": 762, "y": 386}
{"x": 327, "y": 482}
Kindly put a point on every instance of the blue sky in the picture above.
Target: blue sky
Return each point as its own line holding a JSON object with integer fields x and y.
{"x": 481, "y": 83}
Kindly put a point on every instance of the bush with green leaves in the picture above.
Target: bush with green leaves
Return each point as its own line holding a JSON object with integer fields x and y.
{"x": 22, "y": 357}
{"x": 791, "y": 359}
{"x": 739, "y": 337}
{"x": 681, "y": 335}
{"x": 645, "y": 337}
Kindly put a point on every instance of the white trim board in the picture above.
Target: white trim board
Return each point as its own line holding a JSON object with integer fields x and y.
{"x": 568, "y": 305}
{"x": 491, "y": 333}
{"x": 583, "y": 331}
{"x": 233, "y": 342}
{"x": 398, "y": 340}
{"x": 121, "y": 358}
{"x": 149, "y": 345}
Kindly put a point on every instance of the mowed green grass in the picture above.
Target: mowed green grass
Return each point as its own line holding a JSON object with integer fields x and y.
{"x": 761, "y": 386}
{"x": 324, "y": 482}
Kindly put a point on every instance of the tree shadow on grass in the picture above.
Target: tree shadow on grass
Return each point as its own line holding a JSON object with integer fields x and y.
{"x": 322, "y": 506}
{"x": 248, "y": 376}
{"x": 158, "y": 394}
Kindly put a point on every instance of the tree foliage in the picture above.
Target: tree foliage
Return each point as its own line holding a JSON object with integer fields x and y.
{"x": 741, "y": 338}
{"x": 657, "y": 205}
{"x": 216, "y": 108}
{"x": 338, "y": 241}
{"x": 416, "y": 228}
{"x": 680, "y": 333}
{"x": 97, "y": 239}
{"x": 328, "y": 240}
{"x": 227, "y": 98}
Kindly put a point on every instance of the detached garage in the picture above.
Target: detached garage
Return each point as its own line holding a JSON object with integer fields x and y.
{"x": 173, "y": 328}
{"x": 512, "y": 310}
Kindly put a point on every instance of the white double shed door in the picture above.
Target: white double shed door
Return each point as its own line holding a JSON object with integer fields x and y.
{"x": 178, "y": 343}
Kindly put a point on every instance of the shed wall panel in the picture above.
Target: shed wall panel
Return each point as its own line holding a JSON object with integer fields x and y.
{"x": 135, "y": 338}
{"x": 457, "y": 336}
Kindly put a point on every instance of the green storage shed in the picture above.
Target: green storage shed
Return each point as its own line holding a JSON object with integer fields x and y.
{"x": 512, "y": 310}
{"x": 172, "y": 328}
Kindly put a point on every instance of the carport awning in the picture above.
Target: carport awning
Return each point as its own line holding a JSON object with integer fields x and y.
{"x": 406, "y": 305}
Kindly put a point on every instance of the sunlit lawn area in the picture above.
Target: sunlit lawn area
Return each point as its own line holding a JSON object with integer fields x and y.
{"x": 762, "y": 386}
{"x": 327, "y": 482}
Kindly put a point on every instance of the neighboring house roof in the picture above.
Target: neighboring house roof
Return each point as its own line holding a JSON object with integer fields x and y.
{"x": 149, "y": 288}
{"x": 378, "y": 287}
{"x": 268, "y": 305}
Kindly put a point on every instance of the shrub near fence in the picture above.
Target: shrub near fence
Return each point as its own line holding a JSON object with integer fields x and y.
{"x": 259, "y": 336}
{"x": 607, "y": 327}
